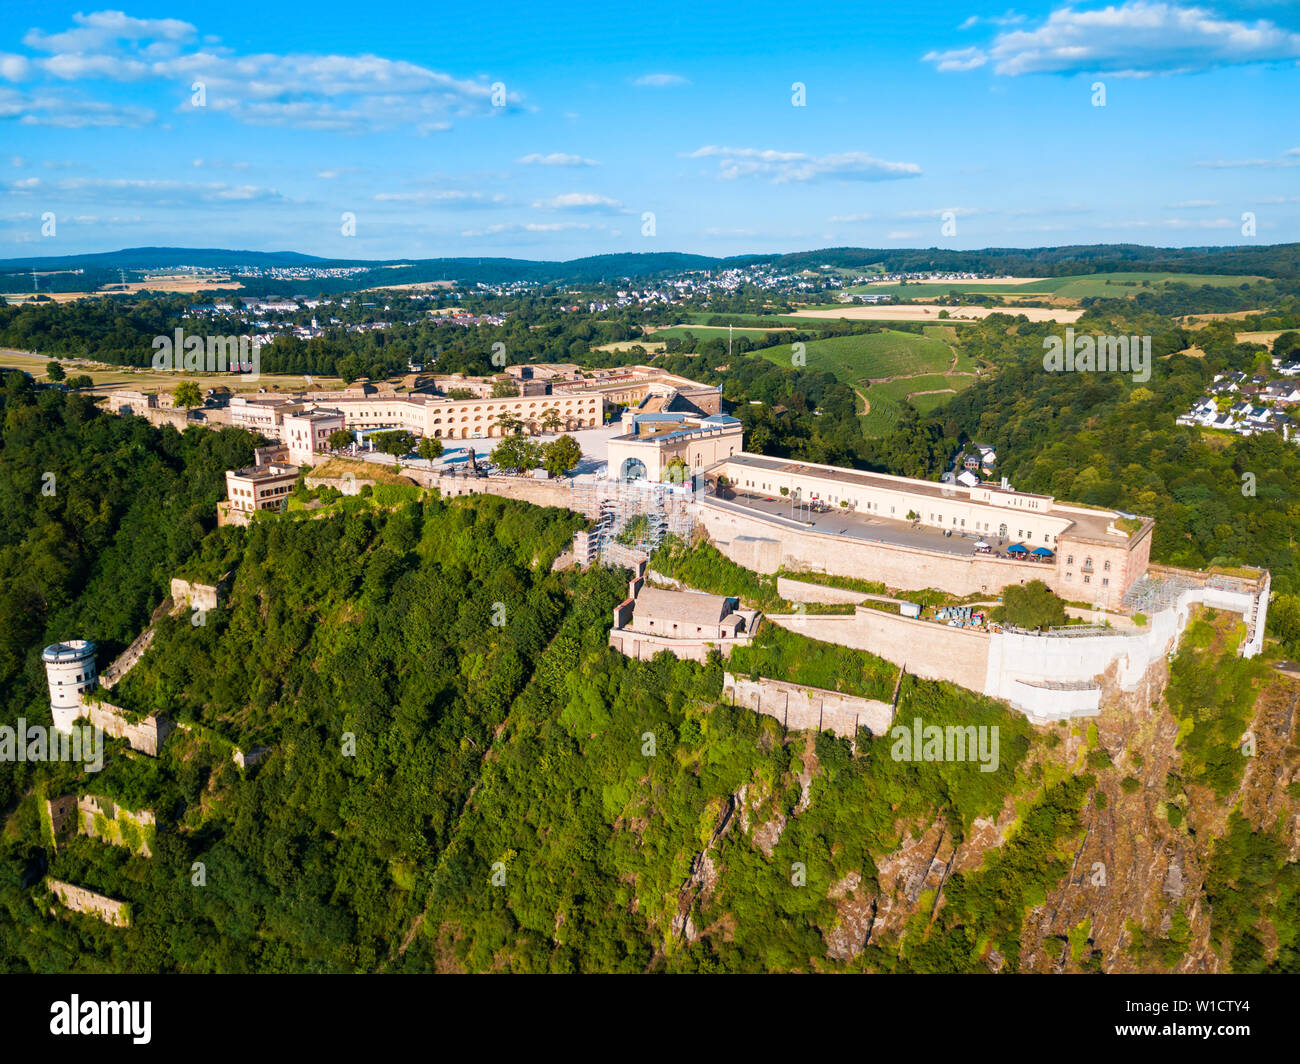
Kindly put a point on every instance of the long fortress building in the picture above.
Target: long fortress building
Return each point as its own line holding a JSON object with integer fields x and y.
{"x": 887, "y": 528}
{"x": 574, "y": 399}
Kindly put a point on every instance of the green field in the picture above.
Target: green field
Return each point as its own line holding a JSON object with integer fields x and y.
{"x": 703, "y": 332}
{"x": 1078, "y": 286}
{"x": 918, "y": 364}
{"x": 856, "y": 360}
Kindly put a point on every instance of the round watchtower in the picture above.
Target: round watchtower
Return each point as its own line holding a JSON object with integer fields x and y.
{"x": 70, "y": 670}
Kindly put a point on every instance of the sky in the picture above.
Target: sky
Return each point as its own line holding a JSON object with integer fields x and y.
{"x": 551, "y": 131}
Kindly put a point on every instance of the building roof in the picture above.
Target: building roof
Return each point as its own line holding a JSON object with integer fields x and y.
{"x": 685, "y": 607}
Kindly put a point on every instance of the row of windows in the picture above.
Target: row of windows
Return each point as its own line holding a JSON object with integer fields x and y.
{"x": 1087, "y": 563}
{"x": 1105, "y": 581}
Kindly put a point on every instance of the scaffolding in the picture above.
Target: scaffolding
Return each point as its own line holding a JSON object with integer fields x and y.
{"x": 1150, "y": 594}
{"x": 617, "y": 507}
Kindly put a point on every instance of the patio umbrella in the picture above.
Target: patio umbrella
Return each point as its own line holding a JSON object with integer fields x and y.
{"x": 1017, "y": 548}
{"x": 980, "y": 543}
{"x": 1042, "y": 552}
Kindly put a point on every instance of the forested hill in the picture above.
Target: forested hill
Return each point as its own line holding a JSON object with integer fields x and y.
{"x": 1269, "y": 260}
{"x": 461, "y": 775}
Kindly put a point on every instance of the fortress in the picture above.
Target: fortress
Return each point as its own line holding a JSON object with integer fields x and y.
{"x": 779, "y": 516}
{"x": 562, "y": 397}
{"x": 74, "y": 693}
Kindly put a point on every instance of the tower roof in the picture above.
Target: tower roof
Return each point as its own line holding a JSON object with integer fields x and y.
{"x": 70, "y": 650}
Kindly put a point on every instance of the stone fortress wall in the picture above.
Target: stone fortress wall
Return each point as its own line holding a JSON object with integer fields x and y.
{"x": 801, "y": 708}
{"x": 1046, "y": 675}
{"x": 81, "y": 900}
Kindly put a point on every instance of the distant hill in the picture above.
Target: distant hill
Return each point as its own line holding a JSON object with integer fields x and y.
{"x": 1275, "y": 260}
{"x": 158, "y": 258}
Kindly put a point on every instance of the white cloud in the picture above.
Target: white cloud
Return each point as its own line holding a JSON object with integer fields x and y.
{"x": 1186, "y": 205}
{"x": 339, "y": 93}
{"x": 659, "y": 81}
{"x": 841, "y": 219}
{"x": 939, "y": 212}
{"x": 1009, "y": 19}
{"x": 784, "y": 166}
{"x": 152, "y": 192}
{"x": 957, "y": 59}
{"x": 445, "y": 196}
{"x": 62, "y": 110}
{"x": 577, "y": 201}
{"x": 1135, "y": 39}
{"x": 104, "y": 28}
{"x": 529, "y": 227}
{"x": 14, "y": 67}
{"x": 556, "y": 158}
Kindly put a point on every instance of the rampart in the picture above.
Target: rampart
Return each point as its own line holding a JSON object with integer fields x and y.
{"x": 557, "y": 492}
{"x": 102, "y": 818}
{"x": 801, "y": 708}
{"x": 1046, "y": 675}
{"x": 925, "y": 649}
{"x": 81, "y": 900}
{"x": 146, "y": 735}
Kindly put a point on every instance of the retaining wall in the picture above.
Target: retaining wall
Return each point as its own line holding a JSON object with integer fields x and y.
{"x": 925, "y": 649}
{"x": 802, "y": 708}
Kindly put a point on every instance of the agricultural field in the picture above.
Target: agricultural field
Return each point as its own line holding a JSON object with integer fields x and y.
{"x": 1074, "y": 287}
{"x": 934, "y": 312}
{"x": 708, "y": 332}
{"x": 150, "y": 380}
{"x": 185, "y": 283}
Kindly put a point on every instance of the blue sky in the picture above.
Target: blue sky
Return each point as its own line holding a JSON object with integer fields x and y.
{"x": 548, "y": 131}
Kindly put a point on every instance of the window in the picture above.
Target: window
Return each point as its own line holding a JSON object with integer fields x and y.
{"x": 1105, "y": 582}
{"x": 1106, "y": 566}
{"x": 1069, "y": 560}
{"x": 1087, "y": 579}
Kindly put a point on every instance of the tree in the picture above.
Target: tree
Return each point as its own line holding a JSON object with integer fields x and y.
{"x": 1033, "y": 605}
{"x": 458, "y": 393}
{"x": 82, "y": 381}
{"x": 430, "y": 447}
{"x": 550, "y": 420}
{"x": 54, "y": 371}
{"x": 517, "y": 453}
{"x": 561, "y": 455}
{"x": 187, "y": 394}
{"x": 397, "y": 443}
{"x": 677, "y": 472}
{"x": 338, "y": 439}
{"x": 509, "y": 422}
{"x": 504, "y": 389}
